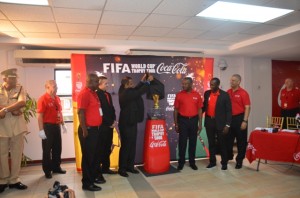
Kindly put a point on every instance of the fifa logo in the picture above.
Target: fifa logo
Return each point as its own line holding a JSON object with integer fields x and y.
{"x": 170, "y": 100}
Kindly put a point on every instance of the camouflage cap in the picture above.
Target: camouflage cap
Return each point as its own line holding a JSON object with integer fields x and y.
{"x": 9, "y": 72}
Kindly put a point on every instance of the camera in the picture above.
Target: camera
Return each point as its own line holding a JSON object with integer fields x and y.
{"x": 57, "y": 188}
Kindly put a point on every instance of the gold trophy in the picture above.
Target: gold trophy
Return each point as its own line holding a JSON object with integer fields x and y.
{"x": 156, "y": 101}
{"x": 155, "y": 93}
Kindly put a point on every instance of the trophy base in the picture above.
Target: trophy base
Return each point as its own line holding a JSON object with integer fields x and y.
{"x": 156, "y": 114}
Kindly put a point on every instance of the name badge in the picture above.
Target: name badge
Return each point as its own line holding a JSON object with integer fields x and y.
{"x": 101, "y": 112}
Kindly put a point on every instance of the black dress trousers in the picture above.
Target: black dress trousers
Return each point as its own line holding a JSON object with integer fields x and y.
{"x": 51, "y": 148}
{"x": 212, "y": 132}
{"x": 188, "y": 128}
{"x": 89, "y": 162}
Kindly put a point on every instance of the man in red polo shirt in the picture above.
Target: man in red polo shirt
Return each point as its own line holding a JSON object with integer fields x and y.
{"x": 289, "y": 100}
{"x": 240, "y": 101}
{"x": 217, "y": 108}
{"x": 90, "y": 119}
{"x": 188, "y": 121}
{"x": 49, "y": 120}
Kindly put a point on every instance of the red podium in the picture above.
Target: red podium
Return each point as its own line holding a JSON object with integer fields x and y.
{"x": 156, "y": 147}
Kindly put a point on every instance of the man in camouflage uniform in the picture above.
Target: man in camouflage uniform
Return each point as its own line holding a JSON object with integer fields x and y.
{"x": 12, "y": 130}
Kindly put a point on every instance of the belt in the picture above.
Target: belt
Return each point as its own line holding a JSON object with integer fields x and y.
{"x": 188, "y": 117}
{"x": 47, "y": 123}
{"x": 295, "y": 108}
{"x": 211, "y": 117}
{"x": 240, "y": 114}
{"x": 93, "y": 127}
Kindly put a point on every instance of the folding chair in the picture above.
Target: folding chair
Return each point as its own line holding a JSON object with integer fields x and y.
{"x": 292, "y": 123}
{"x": 273, "y": 122}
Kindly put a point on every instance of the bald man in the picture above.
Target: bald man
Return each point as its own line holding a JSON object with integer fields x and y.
{"x": 240, "y": 102}
{"x": 49, "y": 119}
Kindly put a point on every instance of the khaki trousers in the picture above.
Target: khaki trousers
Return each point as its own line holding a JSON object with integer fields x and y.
{"x": 15, "y": 146}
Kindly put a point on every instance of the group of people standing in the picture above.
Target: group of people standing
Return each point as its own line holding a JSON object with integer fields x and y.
{"x": 97, "y": 120}
{"x": 226, "y": 118}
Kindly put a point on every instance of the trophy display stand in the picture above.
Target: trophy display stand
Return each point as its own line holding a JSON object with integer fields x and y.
{"x": 156, "y": 144}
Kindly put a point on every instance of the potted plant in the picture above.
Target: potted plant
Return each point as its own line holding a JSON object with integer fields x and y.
{"x": 29, "y": 111}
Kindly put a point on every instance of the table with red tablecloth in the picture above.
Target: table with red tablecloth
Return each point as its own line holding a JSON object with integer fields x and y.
{"x": 280, "y": 146}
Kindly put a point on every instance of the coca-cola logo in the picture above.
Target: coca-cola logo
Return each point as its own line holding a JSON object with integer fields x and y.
{"x": 155, "y": 144}
{"x": 178, "y": 68}
{"x": 297, "y": 156}
{"x": 251, "y": 147}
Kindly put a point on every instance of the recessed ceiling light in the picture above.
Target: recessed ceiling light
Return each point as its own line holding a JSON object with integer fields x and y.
{"x": 28, "y": 2}
{"x": 242, "y": 12}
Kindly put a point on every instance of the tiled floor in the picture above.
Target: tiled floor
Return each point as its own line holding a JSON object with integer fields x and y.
{"x": 272, "y": 180}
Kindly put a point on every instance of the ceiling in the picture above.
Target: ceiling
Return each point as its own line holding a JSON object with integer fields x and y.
{"x": 120, "y": 25}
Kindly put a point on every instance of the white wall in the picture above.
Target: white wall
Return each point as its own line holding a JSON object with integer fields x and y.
{"x": 256, "y": 79}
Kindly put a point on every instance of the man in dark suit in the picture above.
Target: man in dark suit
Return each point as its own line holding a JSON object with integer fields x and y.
{"x": 132, "y": 112}
{"x": 217, "y": 108}
{"x": 107, "y": 127}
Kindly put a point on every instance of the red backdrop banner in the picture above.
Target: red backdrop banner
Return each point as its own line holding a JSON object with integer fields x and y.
{"x": 280, "y": 71}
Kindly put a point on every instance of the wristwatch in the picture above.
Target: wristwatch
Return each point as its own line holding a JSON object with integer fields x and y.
{"x": 245, "y": 121}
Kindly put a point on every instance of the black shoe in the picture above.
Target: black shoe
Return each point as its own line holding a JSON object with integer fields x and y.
{"x": 193, "y": 166}
{"x": 2, "y": 187}
{"x": 210, "y": 165}
{"x": 123, "y": 173}
{"x": 92, "y": 187}
{"x": 18, "y": 185}
{"x": 224, "y": 167}
{"x": 180, "y": 167}
{"x": 134, "y": 171}
{"x": 59, "y": 171}
{"x": 100, "y": 180}
{"x": 48, "y": 175}
{"x": 238, "y": 165}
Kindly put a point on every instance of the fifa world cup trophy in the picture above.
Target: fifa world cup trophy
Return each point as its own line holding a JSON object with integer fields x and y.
{"x": 156, "y": 92}
{"x": 156, "y": 101}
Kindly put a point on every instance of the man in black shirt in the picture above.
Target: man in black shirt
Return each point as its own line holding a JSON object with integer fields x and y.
{"x": 107, "y": 127}
{"x": 132, "y": 112}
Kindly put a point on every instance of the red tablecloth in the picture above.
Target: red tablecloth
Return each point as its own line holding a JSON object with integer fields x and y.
{"x": 281, "y": 146}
